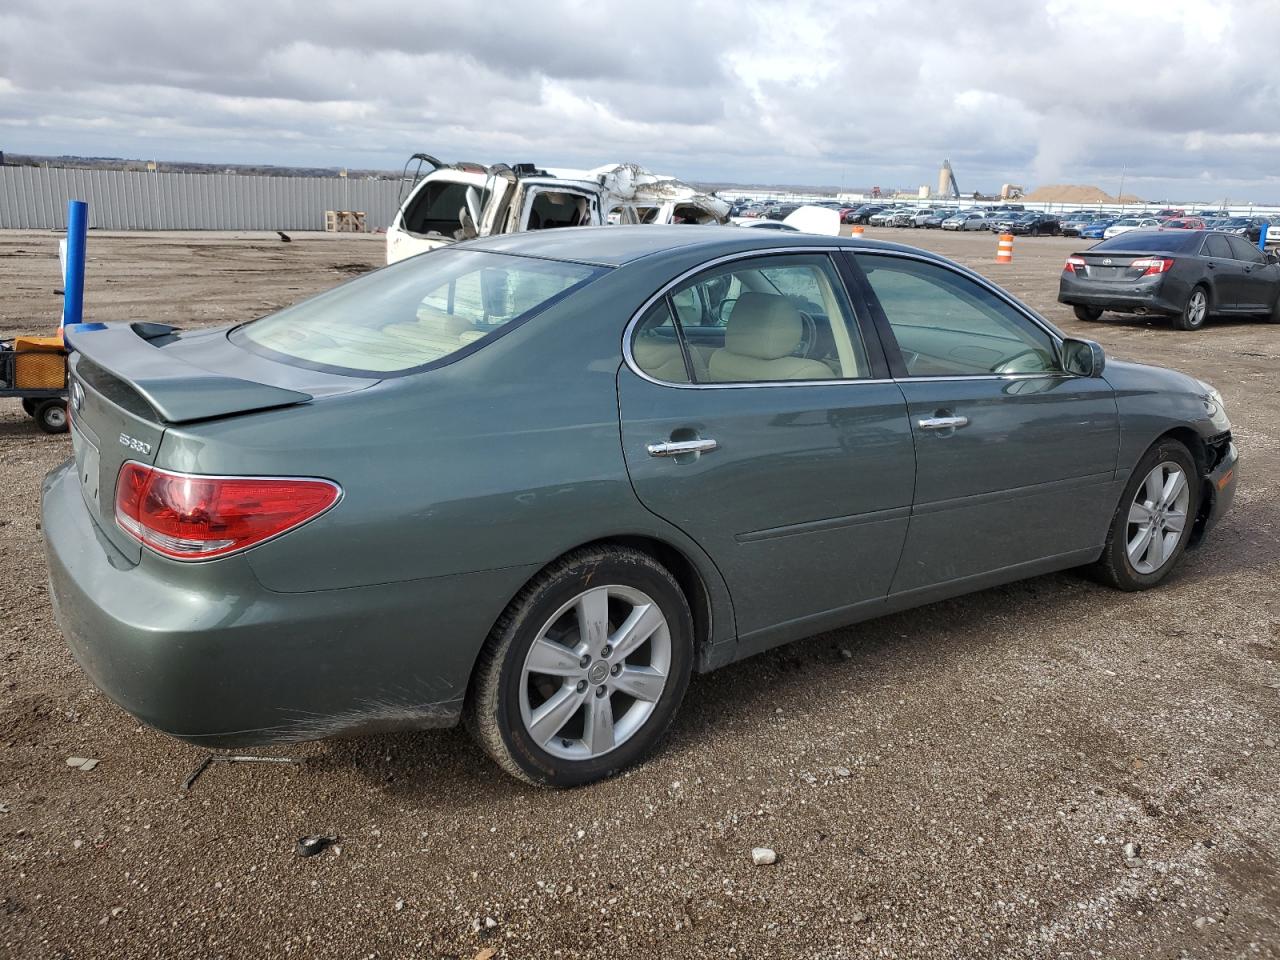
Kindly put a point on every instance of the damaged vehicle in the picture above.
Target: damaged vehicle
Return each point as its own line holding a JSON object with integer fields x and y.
{"x": 533, "y": 482}
{"x": 462, "y": 201}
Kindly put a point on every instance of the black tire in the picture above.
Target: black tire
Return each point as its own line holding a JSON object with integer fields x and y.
{"x": 1274, "y": 315}
{"x": 51, "y": 416}
{"x": 1087, "y": 314}
{"x": 1114, "y": 567}
{"x": 492, "y": 713}
{"x": 1195, "y": 312}
{"x": 29, "y": 407}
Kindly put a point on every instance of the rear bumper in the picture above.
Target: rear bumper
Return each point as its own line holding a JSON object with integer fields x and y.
{"x": 1151, "y": 295}
{"x": 205, "y": 653}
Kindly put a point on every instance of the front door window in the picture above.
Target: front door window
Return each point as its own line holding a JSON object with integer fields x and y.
{"x": 946, "y": 325}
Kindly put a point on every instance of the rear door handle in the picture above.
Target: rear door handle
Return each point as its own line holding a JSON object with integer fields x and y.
{"x": 942, "y": 423}
{"x": 673, "y": 448}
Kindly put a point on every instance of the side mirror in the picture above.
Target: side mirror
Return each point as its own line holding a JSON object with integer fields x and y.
{"x": 1083, "y": 358}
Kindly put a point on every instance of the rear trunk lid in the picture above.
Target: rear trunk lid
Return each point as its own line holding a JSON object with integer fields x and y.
{"x": 129, "y": 382}
{"x": 1114, "y": 266}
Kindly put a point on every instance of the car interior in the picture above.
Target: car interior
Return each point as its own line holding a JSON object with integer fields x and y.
{"x": 751, "y": 324}
{"x": 436, "y": 207}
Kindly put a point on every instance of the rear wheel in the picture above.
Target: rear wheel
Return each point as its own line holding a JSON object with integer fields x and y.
{"x": 1195, "y": 312}
{"x": 1087, "y": 314}
{"x": 1154, "y": 520}
{"x": 51, "y": 416}
{"x": 583, "y": 672}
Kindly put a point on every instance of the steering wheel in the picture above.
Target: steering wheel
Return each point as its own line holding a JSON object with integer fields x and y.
{"x": 724, "y": 308}
{"x": 809, "y": 339}
{"x": 1009, "y": 365}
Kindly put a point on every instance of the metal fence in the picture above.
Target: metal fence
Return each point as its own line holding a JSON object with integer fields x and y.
{"x": 36, "y": 198}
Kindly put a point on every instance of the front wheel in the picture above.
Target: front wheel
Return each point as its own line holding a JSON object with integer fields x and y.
{"x": 1153, "y": 522}
{"x": 1195, "y": 311}
{"x": 1087, "y": 314}
{"x": 583, "y": 672}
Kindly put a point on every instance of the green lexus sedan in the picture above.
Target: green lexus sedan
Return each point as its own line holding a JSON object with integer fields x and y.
{"x": 533, "y": 482}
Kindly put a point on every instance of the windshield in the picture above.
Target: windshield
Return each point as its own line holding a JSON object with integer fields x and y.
{"x": 423, "y": 312}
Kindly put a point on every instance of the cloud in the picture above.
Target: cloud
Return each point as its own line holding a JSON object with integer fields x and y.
{"x": 857, "y": 93}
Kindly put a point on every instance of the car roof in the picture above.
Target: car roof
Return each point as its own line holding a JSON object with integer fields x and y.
{"x": 614, "y": 246}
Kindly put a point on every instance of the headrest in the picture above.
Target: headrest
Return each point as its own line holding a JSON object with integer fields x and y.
{"x": 763, "y": 325}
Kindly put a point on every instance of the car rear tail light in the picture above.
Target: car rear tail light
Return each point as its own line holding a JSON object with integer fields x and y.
{"x": 192, "y": 517}
{"x": 1150, "y": 266}
{"x": 1072, "y": 263}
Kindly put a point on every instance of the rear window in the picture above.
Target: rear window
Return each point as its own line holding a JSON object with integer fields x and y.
{"x": 1138, "y": 241}
{"x": 417, "y": 314}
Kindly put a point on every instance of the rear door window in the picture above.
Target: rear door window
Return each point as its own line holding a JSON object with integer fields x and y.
{"x": 1215, "y": 245}
{"x": 414, "y": 315}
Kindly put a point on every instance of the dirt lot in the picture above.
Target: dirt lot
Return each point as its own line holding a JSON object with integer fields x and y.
{"x": 957, "y": 781}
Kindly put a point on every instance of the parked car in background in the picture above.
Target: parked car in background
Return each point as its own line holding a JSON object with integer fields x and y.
{"x": 1183, "y": 223}
{"x": 1071, "y": 226}
{"x": 935, "y": 220}
{"x": 780, "y": 211}
{"x": 903, "y": 217}
{"x": 969, "y": 220}
{"x": 1125, "y": 224}
{"x": 883, "y": 217}
{"x": 1188, "y": 275}
{"x": 461, "y": 201}
{"x": 1248, "y": 227}
{"x": 1095, "y": 230}
{"x": 1035, "y": 225}
{"x": 864, "y": 213}
{"x": 1169, "y": 212}
{"x": 573, "y": 520}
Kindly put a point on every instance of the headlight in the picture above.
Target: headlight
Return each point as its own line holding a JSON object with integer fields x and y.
{"x": 1212, "y": 399}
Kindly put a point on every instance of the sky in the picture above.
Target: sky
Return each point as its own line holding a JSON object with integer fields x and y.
{"x": 1181, "y": 97}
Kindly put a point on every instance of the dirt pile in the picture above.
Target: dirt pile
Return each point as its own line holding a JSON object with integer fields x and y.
{"x": 1075, "y": 193}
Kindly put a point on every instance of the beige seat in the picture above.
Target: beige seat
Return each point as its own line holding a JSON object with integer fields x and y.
{"x": 763, "y": 331}
{"x": 434, "y": 331}
{"x": 661, "y": 359}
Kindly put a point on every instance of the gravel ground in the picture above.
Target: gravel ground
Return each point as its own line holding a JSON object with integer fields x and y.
{"x": 956, "y": 781}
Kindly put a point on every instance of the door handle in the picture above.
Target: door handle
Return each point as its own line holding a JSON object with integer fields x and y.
{"x": 942, "y": 423}
{"x": 673, "y": 448}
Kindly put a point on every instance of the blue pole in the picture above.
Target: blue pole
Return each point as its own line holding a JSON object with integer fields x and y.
{"x": 73, "y": 286}
{"x": 1262, "y": 237}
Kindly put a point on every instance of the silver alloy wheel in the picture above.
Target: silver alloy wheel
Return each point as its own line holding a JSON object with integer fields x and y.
{"x": 1197, "y": 307}
{"x": 1157, "y": 517}
{"x": 595, "y": 672}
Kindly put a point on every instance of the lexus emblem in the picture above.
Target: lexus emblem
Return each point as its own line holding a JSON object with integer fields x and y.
{"x": 77, "y": 396}
{"x": 1106, "y": 261}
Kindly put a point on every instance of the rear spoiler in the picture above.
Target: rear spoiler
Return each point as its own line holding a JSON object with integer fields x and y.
{"x": 178, "y": 391}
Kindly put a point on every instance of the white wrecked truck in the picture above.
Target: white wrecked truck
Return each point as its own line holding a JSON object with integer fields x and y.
{"x": 463, "y": 200}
